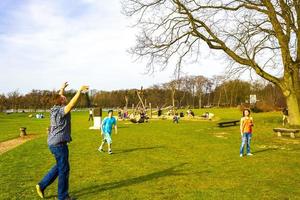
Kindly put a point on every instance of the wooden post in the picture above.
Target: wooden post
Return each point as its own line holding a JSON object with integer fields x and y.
{"x": 279, "y": 134}
{"x": 141, "y": 101}
{"x": 292, "y": 135}
{"x": 23, "y": 131}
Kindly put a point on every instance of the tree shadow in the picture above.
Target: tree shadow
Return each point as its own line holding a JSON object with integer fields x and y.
{"x": 172, "y": 171}
{"x": 120, "y": 127}
{"x": 137, "y": 149}
{"x": 295, "y": 149}
{"x": 264, "y": 150}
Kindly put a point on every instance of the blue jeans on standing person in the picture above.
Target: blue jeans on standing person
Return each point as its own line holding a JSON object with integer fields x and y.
{"x": 246, "y": 139}
{"x": 60, "y": 170}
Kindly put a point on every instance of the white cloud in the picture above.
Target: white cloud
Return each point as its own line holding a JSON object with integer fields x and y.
{"x": 48, "y": 42}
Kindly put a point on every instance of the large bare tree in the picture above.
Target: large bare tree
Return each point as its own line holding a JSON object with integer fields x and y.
{"x": 262, "y": 35}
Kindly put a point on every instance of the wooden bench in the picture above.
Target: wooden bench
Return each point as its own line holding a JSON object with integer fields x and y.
{"x": 292, "y": 132}
{"x": 228, "y": 123}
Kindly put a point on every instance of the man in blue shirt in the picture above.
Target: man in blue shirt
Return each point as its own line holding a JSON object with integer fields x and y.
{"x": 58, "y": 137}
{"x": 106, "y": 129}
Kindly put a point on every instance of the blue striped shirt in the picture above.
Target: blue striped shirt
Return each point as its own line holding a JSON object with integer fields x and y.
{"x": 60, "y": 126}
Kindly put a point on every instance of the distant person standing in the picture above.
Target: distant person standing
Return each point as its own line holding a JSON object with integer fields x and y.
{"x": 159, "y": 112}
{"x": 285, "y": 117}
{"x": 58, "y": 136}
{"x": 106, "y": 130}
{"x": 246, "y": 132}
{"x": 120, "y": 114}
{"x": 91, "y": 114}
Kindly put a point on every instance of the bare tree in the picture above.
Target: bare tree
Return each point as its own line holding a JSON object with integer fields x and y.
{"x": 172, "y": 86}
{"x": 261, "y": 35}
{"x": 218, "y": 80}
{"x": 14, "y": 100}
{"x": 200, "y": 82}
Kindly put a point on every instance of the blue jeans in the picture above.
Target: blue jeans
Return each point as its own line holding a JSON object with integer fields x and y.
{"x": 246, "y": 139}
{"x": 60, "y": 170}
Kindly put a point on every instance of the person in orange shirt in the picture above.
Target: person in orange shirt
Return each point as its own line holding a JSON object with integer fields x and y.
{"x": 246, "y": 132}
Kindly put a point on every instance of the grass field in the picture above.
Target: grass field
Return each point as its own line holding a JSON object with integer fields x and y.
{"x": 157, "y": 160}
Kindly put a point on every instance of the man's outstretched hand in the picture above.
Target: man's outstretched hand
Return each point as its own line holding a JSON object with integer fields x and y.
{"x": 62, "y": 89}
{"x": 84, "y": 89}
{"x": 64, "y": 85}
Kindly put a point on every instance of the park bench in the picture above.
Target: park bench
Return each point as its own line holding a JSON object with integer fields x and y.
{"x": 292, "y": 132}
{"x": 228, "y": 123}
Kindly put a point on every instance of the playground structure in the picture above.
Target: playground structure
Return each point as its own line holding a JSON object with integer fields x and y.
{"x": 140, "y": 109}
{"x": 141, "y": 105}
{"x": 144, "y": 110}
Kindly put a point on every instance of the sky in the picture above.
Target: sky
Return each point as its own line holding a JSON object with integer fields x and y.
{"x": 85, "y": 42}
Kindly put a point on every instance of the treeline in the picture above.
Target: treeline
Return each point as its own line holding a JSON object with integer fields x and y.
{"x": 189, "y": 91}
{"x": 195, "y": 92}
{"x": 35, "y": 100}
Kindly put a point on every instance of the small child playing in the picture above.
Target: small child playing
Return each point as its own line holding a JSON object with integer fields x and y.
{"x": 106, "y": 129}
{"x": 246, "y": 132}
{"x": 176, "y": 118}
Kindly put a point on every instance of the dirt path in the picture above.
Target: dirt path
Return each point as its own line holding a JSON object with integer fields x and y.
{"x": 11, "y": 144}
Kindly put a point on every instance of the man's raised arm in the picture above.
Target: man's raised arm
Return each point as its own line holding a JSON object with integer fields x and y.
{"x": 74, "y": 100}
{"x": 63, "y": 87}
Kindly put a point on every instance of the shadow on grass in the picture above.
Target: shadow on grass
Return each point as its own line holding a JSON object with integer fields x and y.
{"x": 295, "y": 149}
{"x": 121, "y": 127}
{"x": 50, "y": 197}
{"x": 137, "y": 149}
{"x": 264, "y": 150}
{"x": 172, "y": 171}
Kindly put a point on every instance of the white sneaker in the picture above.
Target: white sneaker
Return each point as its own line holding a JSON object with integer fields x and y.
{"x": 241, "y": 155}
{"x": 249, "y": 154}
{"x": 101, "y": 150}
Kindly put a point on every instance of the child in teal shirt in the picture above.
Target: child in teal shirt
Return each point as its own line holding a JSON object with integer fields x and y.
{"x": 106, "y": 130}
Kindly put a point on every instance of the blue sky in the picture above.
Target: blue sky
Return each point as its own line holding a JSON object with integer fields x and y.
{"x": 44, "y": 43}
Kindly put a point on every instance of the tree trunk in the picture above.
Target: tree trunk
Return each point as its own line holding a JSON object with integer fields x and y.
{"x": 193, "y": 96}
{"x": 208, "y": 103}
{"x": 173, "y": 98}
{"x": 220, "y": 96}
{"x": 126, "y": 102}
{"x": 294, "y": 109}
{"x": 200, "y": 102}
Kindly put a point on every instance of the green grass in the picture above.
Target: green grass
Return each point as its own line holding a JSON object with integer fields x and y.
{"x": 158, "y": 160}
{"x": 10, "y": 125}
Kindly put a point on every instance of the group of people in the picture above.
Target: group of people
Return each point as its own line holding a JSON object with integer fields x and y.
{"x": 39, "y": 116}
{"x": 190, "y": 113}
{"x": 123, "y": 113}
{"x": 140, "y": 118}
{"x": 59, "y": 136}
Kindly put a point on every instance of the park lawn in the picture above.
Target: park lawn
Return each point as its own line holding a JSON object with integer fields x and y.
{"x": 10, "y": 125}
{"x": 161, "y": 160}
